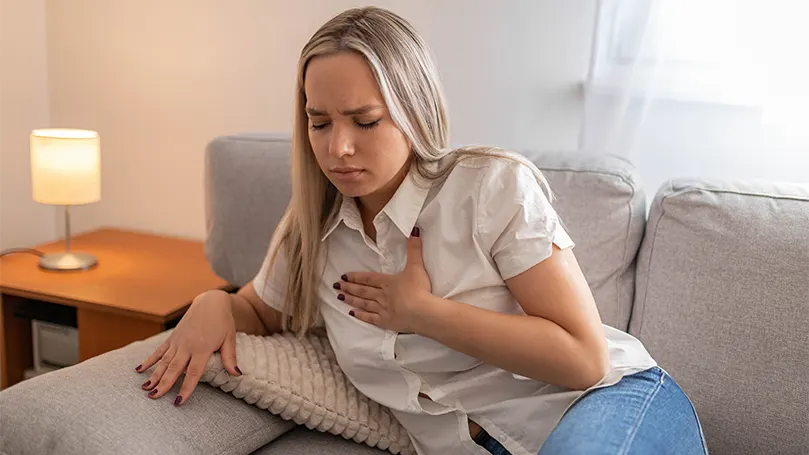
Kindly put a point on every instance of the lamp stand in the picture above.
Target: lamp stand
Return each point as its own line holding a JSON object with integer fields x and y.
{"x": 67, "y": 260}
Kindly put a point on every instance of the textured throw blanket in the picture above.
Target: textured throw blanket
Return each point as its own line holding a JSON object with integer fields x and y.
{"x": 300, "y": 380}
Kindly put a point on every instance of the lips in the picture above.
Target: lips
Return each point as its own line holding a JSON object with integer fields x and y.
{"x": 346, "y": 174}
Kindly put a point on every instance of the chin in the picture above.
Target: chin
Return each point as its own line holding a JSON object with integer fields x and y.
{"x": 352, "y": 190}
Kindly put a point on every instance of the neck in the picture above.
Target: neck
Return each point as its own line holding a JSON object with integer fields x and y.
{"x": 371, "y": 204}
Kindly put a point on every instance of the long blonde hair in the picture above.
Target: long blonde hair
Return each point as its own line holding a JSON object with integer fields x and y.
{"x": 408, "y": 79}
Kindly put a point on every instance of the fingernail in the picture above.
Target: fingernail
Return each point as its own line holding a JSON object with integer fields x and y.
{"x": 415, "y": 232}
{"x": 153, "y": 392}
{"x": 344, "y": 277}
{"x": 336, "y": 285}
{"x": 237, "y": 370}
{"x": 341, "y": 297}
{"x": 351, "y": 313}
{"x": 137, "y": 368}
{"x": 178, "y": 400}
{"x": 146, "y": 384}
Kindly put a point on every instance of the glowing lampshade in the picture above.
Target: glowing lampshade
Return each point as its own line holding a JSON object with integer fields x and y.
{"x": 66, "y": 170}
{"x": 65, "y": 166}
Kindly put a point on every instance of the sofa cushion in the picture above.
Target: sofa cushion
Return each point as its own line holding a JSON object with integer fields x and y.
{"x": 598, "y": 199}
{"x": 723, "y": 305}
{"x": 98, "y": 407}
{"x": 302, "y": 441}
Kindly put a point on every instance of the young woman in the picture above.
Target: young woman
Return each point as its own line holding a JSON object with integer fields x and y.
{"x": 444, "y": 278}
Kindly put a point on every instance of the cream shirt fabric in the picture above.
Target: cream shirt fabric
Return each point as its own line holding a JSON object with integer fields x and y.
{"x": 487, "y": 222}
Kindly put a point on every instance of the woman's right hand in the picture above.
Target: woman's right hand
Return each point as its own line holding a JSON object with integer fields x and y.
{"x": 206, "y": 327}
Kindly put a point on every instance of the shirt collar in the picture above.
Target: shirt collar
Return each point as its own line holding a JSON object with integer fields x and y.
{"x": 403, "y": 209}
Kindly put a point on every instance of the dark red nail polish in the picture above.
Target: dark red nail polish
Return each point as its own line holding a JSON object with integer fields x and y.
{"x": 351, "y": 313}
{"x": 415, "y": 232}
{"x": 237, "y": 370}
{"x": 178, "y": 400}
{"x": 146, "y": 384}
{"x": 341, "y": 297}
{"x": 153, "y": 392}
{"x": 137, "y": 368}
{"x": 344, "y": 277}
{"x": 336, "y": 286}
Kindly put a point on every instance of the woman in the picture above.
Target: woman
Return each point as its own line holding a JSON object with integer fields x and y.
{"x": 444, "y": 278}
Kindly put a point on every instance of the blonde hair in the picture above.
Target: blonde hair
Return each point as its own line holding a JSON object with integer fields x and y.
{"x": 408, "y": 79}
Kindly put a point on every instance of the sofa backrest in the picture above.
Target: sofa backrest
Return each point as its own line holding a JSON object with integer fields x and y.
{"x": 603, "y": 207}
{"x": 246, "y": 193}
{"x": 722, "y": 303}
{"x": 597, "y": 197}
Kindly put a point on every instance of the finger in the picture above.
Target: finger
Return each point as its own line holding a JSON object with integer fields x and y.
{"x": 196, "y": 367}
{"x": 364, "y": 316}
{"x": 359, "y": 290}
{"x": 228, "y": 353}
{"x": 174, "y": 370}
{"x": 375, "y": 280}
{"x": 414, "y": 258}
{"x": 156, "y": 355}
{"x": 360, "y": 303}
{"x": 159, "y": 369}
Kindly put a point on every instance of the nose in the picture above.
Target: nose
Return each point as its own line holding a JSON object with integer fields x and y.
{"x": 340, "y": 142}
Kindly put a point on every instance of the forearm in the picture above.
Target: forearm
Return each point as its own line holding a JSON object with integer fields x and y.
{"x": 527, "y": 345}
{"x": 245, "y": 316}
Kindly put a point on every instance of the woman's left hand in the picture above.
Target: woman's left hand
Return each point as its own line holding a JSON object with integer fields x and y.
{"x": 389, "y": 301}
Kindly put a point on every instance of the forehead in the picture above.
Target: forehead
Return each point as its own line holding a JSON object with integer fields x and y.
{"x": 340, "y": 81}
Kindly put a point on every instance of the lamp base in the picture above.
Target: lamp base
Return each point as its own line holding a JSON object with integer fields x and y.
{"x": 68, "y": 261}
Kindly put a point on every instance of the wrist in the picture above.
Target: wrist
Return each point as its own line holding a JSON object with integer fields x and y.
{"x": 431, "y": 311}
{"x": 213, "y": 296}
{"x": 209, "y": 292}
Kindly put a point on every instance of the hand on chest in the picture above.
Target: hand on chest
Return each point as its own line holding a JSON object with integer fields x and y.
{"x": 453, "y": 259}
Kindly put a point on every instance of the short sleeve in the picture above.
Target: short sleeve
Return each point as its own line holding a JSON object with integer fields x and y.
{"x": 271, "y": 284}
{"x": 516, "y": 221}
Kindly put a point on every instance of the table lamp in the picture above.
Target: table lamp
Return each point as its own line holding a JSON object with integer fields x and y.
{"x": 66, "y": 170}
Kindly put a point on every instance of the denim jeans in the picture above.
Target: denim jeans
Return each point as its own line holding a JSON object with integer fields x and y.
{"x": 644, "y": 413}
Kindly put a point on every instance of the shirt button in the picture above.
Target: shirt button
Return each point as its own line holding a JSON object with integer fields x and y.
{"x": 502, "y": 437}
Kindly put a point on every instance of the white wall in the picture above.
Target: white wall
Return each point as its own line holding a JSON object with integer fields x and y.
{"x": 23, "y": 107}
{"x": 159, "y": 79}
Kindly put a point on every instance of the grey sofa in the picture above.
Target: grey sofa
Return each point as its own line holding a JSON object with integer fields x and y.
{"x": 715, "y": 282}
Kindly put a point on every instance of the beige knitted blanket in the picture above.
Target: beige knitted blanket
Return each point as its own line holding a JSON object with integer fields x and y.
{"x": 299, "y": 379}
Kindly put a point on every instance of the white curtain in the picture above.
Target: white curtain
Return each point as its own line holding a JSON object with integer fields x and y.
{"x": 701, "y": 88}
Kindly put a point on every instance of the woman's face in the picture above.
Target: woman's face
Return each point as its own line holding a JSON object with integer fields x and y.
{"x": 355, "y": 141}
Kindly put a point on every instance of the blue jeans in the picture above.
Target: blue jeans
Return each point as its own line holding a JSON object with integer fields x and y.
{"x": 645, "y": 413}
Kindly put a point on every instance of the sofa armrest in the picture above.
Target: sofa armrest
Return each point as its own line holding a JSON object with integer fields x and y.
{"x": 98, "y": 407}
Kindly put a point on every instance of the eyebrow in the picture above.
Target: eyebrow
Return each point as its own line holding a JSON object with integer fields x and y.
{"x": 358, "y": 111}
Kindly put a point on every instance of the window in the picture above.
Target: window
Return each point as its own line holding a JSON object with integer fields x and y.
{"x": 740, "y": 52}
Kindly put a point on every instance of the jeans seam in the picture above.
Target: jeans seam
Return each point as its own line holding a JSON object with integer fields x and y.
{"x": 699, "y": 426}
{"x": 645, "y": 408}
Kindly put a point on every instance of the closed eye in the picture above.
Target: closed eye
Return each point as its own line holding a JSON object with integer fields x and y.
{"x": 368, "y": 126}
{"x": 365, "y": 126}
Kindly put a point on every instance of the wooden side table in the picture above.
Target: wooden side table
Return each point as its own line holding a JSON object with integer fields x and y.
{"x": 142, "y": 285}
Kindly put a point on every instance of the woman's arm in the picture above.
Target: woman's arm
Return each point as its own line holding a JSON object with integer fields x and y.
{"x": 560, "y": 340}
{"x": 252, "y": 315}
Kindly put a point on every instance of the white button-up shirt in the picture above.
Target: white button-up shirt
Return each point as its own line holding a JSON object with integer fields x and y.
{"x": 489, "y": 221}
